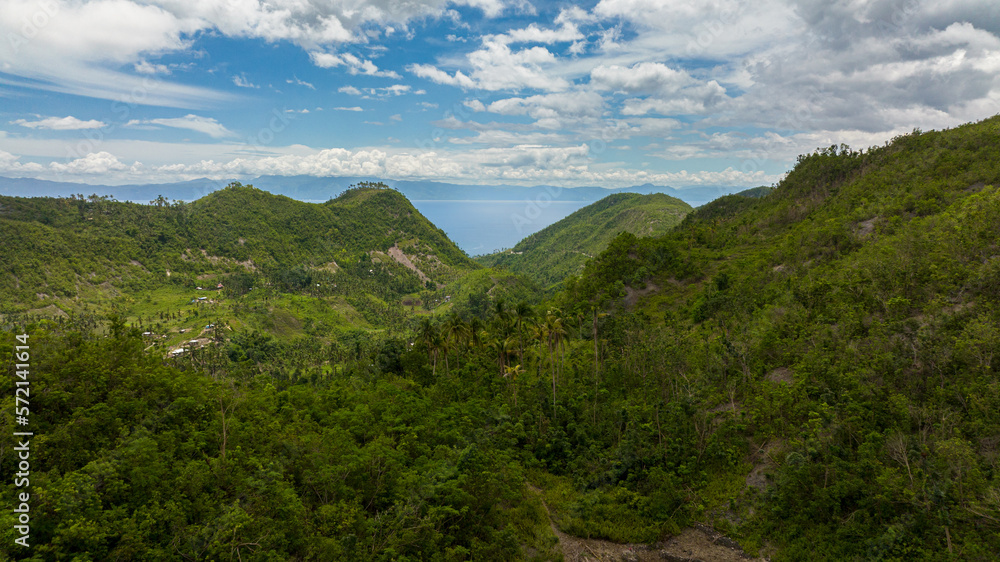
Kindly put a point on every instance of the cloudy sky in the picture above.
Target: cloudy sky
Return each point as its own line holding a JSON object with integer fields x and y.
{"x": 613, "y": 92}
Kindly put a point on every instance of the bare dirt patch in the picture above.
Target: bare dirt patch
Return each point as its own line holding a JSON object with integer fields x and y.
{"x": 864, "y": 228}
{"x": 781, "y": 375}
{"x": 633, "y": 295}
{"x": 764, "y": 463}
{"x": 398, "y": 255}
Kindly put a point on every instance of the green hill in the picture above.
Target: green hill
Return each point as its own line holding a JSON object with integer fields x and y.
{"x": 837, "y": 335}
{"x": 562, "y": 248}
{"x": 363, "y": 251}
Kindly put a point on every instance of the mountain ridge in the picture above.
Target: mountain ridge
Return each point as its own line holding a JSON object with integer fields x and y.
{"x": 561, "y": 249}
{"x": 318, "y": 189}
{"x": 239, "y": 224}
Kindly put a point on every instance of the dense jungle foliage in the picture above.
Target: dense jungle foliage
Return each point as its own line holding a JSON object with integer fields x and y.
{"x": 811, "y": 371}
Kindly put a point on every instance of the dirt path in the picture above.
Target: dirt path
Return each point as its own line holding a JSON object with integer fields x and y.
{"x": 695, "y": 544}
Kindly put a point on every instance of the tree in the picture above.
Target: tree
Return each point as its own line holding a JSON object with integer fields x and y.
{"x": 431, "y": 338}
{"x": 554, "y": 333}
{"x": 522, "y": 314}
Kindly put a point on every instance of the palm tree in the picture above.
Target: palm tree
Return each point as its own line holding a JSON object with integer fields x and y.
{"x": 597, "y": 344}
{"x": 454, "y": 331}
{"x": 554, "y": 332}
{"x": 476, "y": 328}
{"x": 511, "y": 373}
{"x": 522, "y": 314}
{"x": 501, "y": 346}
{"x": 430, "y": 337}
{"x": 501, "y": 317}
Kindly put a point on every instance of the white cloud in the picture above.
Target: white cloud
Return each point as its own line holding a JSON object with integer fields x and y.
{"x": 575, "y": 14}
{"x": 497, "y": 67}
{"x": 474, "y": 105}
{"x": 565, "y": 105}
{"x": 439, "y": 76}
{"x": 568, "y": 32}
{"x": 689, "y": 101}
{"x": 501, "y": 138}
{"x": 68, "y": 123}
{"x": 9, "y": 164}
{"x": 689, "y": 29}
{"x": 295, "y": 80}
{"x": 77, "y": 47}
{"x": 490, "y": 8}
{"x": 99, "y": 163}
{"x": 355, "y": 108}
{"x": 754, "y": 150}
{"x": 205, "y": 125}
{"x": 146, "y": 67}
{"x": 242, "y": 82}
{"x": 354, "y": 64}
{"x": 325, "y": 60}
{"x": 645, "y": 77}
{"x": 394, "y": 90}
{"x": 523, "y": 164}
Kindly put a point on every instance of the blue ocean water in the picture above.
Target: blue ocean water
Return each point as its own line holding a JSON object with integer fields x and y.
{"x": 483, "y": 227}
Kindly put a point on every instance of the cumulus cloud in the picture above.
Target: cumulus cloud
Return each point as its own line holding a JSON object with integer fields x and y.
{"x": 68, "y": 123}
{"x": 565, "y": 105}
{"x": 568, "y": 32}
{"x": 9, "y": 164}
{"x": 670, "y": 91}
{"x": 878, "y": 80}
{"x": 439, "y": 76}
{"x": 96, "y": 163}
{"x": 645, "y": 77}
{"x": 496, "y": 66}
{"x": 525, "y": 164}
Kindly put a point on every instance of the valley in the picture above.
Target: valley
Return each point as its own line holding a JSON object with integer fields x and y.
{"x": 806, "y": 369}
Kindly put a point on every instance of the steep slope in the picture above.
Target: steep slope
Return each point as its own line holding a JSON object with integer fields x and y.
{"x": 834, "y": 341}
{"x": 562, "y": 248}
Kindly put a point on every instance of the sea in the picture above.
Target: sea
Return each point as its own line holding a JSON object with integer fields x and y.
{"x": 484, "y": 227}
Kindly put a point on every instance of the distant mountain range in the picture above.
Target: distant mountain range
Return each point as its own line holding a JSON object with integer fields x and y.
{"x": 318, "y": 189}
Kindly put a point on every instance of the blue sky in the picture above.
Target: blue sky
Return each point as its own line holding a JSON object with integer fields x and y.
{"x": 609, "y": 92}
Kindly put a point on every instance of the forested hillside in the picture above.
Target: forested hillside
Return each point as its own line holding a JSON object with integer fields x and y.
{"x": 810, "y": 371}
{"x": 844, "y": 328}
{"x": 560, "y": 249}
{"x": 56, "y": 247}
